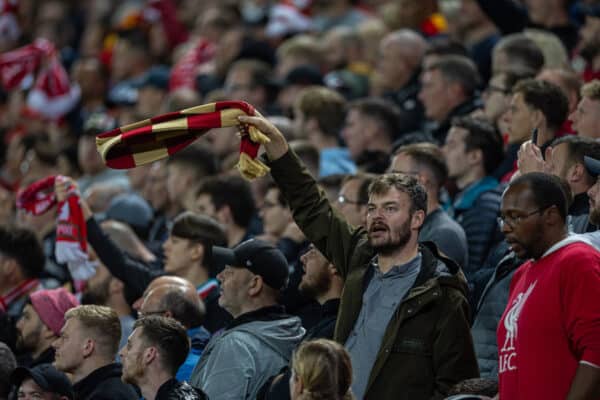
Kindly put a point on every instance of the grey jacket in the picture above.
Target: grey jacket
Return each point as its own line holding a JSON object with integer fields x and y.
{"x": 255, "y": 346}
{"x": 489, "y": 311}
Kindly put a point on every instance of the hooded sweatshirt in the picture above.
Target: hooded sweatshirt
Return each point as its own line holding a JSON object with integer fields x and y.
{"x": 254, "y": 347}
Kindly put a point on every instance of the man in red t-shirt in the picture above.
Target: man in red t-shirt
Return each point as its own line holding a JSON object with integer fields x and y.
{"x": 549, "y": 334}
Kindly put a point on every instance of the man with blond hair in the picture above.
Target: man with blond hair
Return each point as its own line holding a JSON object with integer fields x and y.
{"x": 586, "y": 117}
{"x": 86, "y": 349}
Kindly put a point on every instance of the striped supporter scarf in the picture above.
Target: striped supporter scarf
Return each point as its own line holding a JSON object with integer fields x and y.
{"x": 153, "y": 139}
{"x": 71, "y": 231}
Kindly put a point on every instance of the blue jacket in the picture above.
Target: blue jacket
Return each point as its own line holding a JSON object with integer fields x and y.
{"x": 199, "y": 338}
{"x": 476, "y": 209}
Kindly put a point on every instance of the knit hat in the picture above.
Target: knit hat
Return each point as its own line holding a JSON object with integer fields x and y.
{"x": 259, "y": 257}
{"x": 51, "y": 306}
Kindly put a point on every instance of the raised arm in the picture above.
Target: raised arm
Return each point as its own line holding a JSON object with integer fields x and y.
{"x": 322, "y": 225}
{"x": 135, "y": 274}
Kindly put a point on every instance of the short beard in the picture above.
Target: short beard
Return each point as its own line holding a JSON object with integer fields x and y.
{"x": 393, "y": 245}
{"x": 132, "y": 377}
{"x": 23, "y": 346}
{"x": 319, "y": 286}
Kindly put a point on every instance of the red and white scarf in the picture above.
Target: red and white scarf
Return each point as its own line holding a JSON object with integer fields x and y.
{"x": 159, "y": 137}
{"x": 71, "y": 230}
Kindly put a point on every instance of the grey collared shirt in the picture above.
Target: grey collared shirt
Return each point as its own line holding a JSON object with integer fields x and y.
{"x": 383, "y": 295}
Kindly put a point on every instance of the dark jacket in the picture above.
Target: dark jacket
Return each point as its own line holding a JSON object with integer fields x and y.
{"x": 427, "y": 346}
{"x": 46, "y": 357}
{"x": 325, "y": 328}
{"x": 489, "y": 311}
{"x": 440, "y": 131}
{"x": 104, "y": 384}
{"x": 174, "y": 390}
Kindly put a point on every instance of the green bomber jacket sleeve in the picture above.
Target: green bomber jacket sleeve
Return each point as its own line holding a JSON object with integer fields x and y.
{"x": 324, "y": 226}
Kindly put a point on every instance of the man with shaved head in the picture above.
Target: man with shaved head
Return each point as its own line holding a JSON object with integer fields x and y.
{"x": 180, "y": 302}
{"x": 398, "y": 69}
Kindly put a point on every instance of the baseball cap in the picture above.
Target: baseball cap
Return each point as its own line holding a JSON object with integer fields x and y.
{"x": 45, "y": 376}
{"x": 51, "y": 306}
{"x": 259, "y": 257}
{"x": 592, "y": 166}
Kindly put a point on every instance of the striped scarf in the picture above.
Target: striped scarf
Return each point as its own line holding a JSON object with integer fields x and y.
{"x": 155, "y": 138}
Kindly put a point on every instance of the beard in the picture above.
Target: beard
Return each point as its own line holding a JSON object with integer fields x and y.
{"x": 132, "y": 373}
{"x": 317, "y": 286}
{"x": 394, "y": 240}
{"x": 27, "y": 343}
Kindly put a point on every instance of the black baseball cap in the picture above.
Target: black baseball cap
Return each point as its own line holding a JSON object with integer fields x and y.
{"x": 46, "y": 377}
{"x": 260, "y": 257}
{"x": 592, "y": 166}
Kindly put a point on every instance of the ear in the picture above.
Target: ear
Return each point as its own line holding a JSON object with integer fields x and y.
{"x": 312, "y": 125}
{"x": 88, "y": 347}
{"x": 149, "y": 355}
{"x": 417, "y": 219}
{"x": 538, "y": 119}
{"x": 576, "y": 173}
{"x": 11, "y": 268}
{"x": 47, "y": 333}
{"x": 475, "y": 157}
{"x": 224, "y": 215}
{"x": 255, "y": 286}
{"x": 115, "y": 285}
{"x": 197, "y": 252}
{"x": 168, "y": 314}
{"x": 332, "y": 270}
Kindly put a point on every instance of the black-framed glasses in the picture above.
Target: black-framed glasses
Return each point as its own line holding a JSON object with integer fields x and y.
{"x": 514, "y": 220}
{"x": 344, "y": 200}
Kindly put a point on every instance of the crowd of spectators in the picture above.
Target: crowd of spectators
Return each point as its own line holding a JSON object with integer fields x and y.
{"x": 428, "y": 227}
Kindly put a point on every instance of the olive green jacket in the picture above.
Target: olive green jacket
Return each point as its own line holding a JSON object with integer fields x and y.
{"x": 427, "y": 346}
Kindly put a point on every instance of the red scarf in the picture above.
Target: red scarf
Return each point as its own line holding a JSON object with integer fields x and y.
{"x": 153, "y": 139}
{"x": 37, "y": 198}
{"x": 15, "y": 65}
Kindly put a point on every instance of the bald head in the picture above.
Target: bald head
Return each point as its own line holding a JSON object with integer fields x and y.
{"x": 160, "y": 281}
{"x": 400, "y": 55}
{"x": 175, "y": 301}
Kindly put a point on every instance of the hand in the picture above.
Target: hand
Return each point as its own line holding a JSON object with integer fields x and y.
{"x": 61, "y": 188}
{"x": 530, "y": 159}
{"x": 278, "y": 146}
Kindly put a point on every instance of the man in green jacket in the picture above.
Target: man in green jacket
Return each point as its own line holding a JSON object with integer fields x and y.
{"x": 403, "y": 315}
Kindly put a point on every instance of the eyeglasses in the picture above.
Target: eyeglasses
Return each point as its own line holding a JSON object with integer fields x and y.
{"x": 148, "y": 313}
{"x": 344, "y": 200}
{"x": 511, "y": 221}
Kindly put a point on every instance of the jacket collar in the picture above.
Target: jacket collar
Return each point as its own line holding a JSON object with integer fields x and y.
{"x": 270, "y": 313}
{"x": 95, "y": 378}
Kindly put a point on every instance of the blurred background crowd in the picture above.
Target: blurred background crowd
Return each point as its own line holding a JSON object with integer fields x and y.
{"x": 447, "y": 91}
